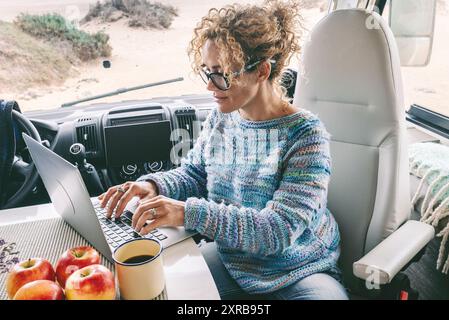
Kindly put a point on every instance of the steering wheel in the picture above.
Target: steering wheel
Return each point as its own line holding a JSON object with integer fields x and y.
{"x": 20, "y": 168}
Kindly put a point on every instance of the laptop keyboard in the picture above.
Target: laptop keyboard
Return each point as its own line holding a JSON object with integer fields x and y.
{"x": 120, "y": 230}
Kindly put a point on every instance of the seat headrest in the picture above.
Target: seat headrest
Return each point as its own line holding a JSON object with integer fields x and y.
{"x": 351, "y": 74}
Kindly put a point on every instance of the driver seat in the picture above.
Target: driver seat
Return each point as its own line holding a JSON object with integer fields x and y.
{"x": 352, "y": 81}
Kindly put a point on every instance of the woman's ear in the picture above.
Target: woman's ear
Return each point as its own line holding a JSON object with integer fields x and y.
{"x": 264, "y": 70}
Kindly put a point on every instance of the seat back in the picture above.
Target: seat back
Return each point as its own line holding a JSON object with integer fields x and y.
{"x": 351, "y": 79}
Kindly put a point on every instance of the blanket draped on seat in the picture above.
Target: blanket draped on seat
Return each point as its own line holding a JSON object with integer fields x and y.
{"x": 430, "y": 162}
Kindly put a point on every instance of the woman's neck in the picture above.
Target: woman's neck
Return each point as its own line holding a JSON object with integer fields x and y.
{"x": 266, "y": 105}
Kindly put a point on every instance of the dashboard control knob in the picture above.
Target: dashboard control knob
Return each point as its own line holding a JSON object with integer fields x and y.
{"x": 129, "y": 169}
{"x": 151, "y": 167}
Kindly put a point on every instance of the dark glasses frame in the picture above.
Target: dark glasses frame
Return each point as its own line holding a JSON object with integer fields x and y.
{"x": 221, "y": 80}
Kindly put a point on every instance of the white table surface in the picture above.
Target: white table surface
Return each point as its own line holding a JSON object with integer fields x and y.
{"x": 186, "y": 272}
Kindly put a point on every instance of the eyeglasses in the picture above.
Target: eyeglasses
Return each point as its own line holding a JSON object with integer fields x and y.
{"x": 221, "y": 80}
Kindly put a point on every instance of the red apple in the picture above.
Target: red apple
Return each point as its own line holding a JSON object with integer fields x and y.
{"x": 95, "y": 282}
{"x": 75, "y": 259}
{"x": 28, "y": 271}
{"x": 40, "y": 290}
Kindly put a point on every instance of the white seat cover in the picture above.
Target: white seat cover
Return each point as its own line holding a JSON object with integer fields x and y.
{"x": 350, "y": 77}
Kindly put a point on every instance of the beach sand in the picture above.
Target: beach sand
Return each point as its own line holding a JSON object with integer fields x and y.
{"x": 146, "y": 56}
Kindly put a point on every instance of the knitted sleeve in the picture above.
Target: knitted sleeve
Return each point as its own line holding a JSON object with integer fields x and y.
{"x": 302, "y": 192}
{"x": 188, "y": 180}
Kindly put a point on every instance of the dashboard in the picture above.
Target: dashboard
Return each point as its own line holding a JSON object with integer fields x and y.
{"x": 127, "y": 139}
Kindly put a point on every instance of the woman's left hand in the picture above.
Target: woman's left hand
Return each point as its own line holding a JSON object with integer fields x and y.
{"x": 157, "y": 212}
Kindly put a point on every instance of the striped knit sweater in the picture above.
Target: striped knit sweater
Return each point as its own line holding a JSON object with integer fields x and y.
{"x": 259, "y": 189}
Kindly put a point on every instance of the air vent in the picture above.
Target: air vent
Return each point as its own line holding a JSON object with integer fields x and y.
{"x": 154, "y": 106}
{"x": 87, "y": 135}
{"x": 133, "y": 120}
{"x": 81, "y": 120}
{"x": 186, "y": 119}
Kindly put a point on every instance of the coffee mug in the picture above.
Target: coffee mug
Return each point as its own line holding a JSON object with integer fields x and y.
{"x": 139, "y": 269}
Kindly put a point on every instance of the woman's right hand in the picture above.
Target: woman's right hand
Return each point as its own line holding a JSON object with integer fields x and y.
{"x": 117, "y": 197}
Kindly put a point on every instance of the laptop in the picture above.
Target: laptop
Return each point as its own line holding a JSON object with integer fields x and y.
{"x": 72, "y": 202}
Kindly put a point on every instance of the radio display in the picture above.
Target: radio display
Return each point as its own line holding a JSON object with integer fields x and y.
{"x": 137, "y": 143}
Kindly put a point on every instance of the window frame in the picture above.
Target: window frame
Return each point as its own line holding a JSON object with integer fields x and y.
{"x": 428, "y": 119}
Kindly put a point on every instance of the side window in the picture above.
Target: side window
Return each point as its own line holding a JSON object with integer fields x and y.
{"x": 428, "y": 86}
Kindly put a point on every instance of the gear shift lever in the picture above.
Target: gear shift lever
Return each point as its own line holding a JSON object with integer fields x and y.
{"x": 78, "y": 153}
{"x": 88, "y": 171}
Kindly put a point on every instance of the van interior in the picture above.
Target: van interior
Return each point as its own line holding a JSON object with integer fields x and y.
{"x": 389, "y": 189}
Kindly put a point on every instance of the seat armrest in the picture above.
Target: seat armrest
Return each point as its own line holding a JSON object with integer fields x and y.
{"x": 381, "y": 264}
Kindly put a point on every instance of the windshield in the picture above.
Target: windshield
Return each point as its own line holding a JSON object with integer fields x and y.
{"x": 57, "y": 51}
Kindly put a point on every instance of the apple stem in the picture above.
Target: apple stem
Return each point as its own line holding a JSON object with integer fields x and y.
{"x": 77, "y": 253}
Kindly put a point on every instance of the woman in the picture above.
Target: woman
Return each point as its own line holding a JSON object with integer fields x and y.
{"x": 256, "y": 180}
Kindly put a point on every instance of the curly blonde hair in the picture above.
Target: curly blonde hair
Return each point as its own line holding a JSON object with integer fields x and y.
{"x": 247, "y": 33}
